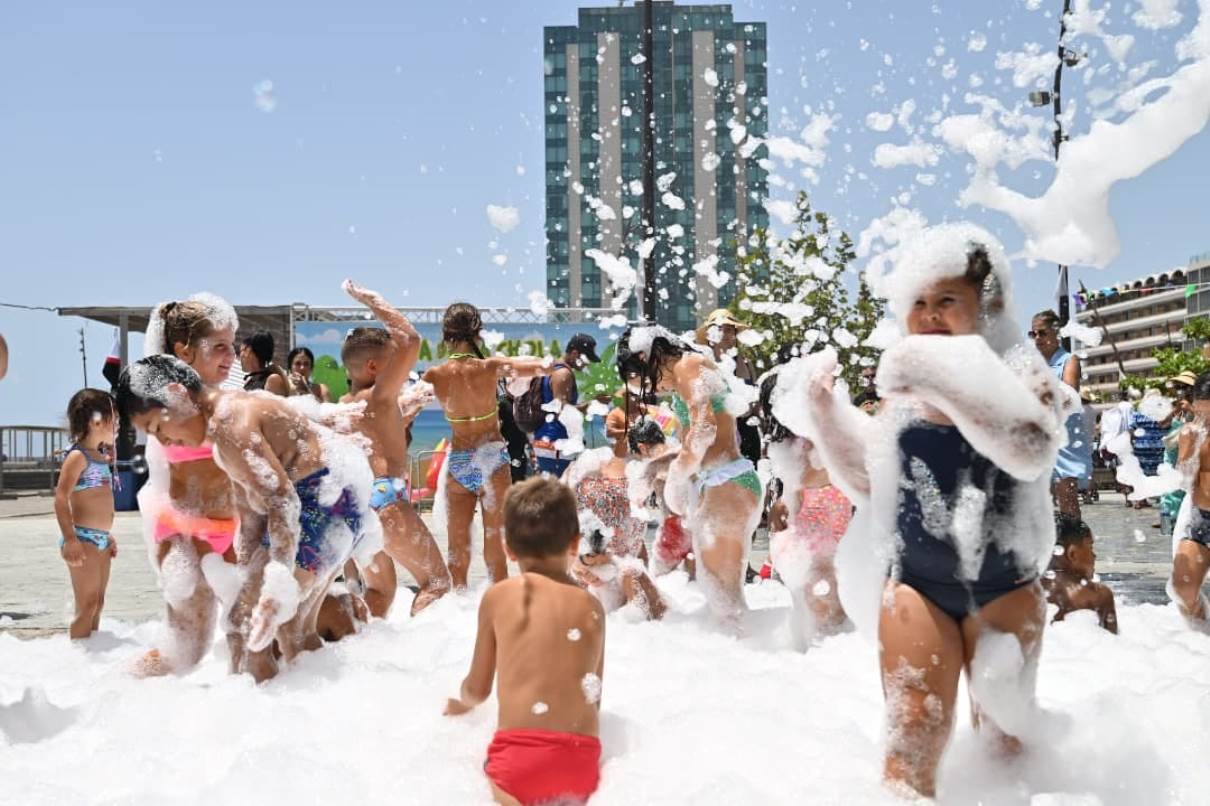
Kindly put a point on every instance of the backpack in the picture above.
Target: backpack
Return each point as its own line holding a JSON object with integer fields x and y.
{"x": 527, "y": 407}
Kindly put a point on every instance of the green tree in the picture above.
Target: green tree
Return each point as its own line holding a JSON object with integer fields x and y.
{"x": 793, "y": 292}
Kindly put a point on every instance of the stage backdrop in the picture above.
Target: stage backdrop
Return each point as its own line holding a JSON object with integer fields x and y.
{"x": 324, "y": 339}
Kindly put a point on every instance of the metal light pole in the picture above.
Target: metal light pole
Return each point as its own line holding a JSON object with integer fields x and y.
{"x": 648, "y": 228}
{"x": 1070, "y": 58}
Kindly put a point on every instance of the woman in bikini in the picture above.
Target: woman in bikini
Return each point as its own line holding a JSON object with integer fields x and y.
{"x": 477, "y": 466}
{"x": 951, "y": 481}
{"x": 709, "y": 483}
{"x": 188, "y": 502}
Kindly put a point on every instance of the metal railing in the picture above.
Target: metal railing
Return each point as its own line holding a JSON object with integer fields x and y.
{"x": 30, "y": 453}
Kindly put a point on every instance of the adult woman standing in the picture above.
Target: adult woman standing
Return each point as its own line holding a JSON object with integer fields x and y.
{"x": 710, "y": 484}
{"x": 477, "y": 466}
{"x": 1073, "y": 468}
{"x": 301, "y": 362}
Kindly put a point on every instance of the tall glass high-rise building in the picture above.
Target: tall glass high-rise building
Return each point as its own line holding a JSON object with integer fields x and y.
{"x": 711, "y": 112}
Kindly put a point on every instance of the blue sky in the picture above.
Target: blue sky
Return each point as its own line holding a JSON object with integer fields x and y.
{"x": 137, "y": 165}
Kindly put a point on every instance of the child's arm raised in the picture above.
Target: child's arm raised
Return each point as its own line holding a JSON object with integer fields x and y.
{"x": 406, "y": 341}
{"x": 840, "y": 433}
{"x": 1010, "y": 417}
{"x": 477, "y": 686}
{"x": 69, "y": 474}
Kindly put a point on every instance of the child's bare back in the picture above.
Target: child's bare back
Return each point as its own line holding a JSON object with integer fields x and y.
{"x": 550, "y": 653}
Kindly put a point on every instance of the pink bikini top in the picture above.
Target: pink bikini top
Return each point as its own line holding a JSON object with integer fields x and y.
{"x": 178, "y": 454}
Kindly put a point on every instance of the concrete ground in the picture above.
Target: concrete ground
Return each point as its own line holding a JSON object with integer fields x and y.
{"x": 35, "y": 594}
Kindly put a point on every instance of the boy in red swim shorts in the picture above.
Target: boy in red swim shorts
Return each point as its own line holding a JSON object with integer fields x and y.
{"x": 543, "y": 637}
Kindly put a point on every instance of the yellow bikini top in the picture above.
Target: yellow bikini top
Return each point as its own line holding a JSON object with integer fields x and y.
{"x": 478, "y": 419}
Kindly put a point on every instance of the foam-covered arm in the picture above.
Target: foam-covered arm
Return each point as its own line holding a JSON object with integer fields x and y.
{"x": 1010, "y": 416}
{"x": 838, "y": 430}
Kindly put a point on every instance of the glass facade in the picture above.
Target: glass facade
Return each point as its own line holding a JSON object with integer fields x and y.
{"x": 710, "y": 107}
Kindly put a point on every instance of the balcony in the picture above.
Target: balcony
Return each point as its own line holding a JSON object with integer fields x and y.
{"x": 1131, "y": 299}
{"x": 1176, "y": 316}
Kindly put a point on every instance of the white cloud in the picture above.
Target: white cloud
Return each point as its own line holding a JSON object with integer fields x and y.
{"x": 918, "y": 153}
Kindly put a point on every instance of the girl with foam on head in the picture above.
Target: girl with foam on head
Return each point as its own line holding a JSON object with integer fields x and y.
{"x": 84, "y": 505}
{"x": 302, "y": 493}
{"x": 806, "y": 522}
{"x": 189, "y": 513}
{"x": 477, "y": 465}
{"x": 709, "y": 483}
{"x": 951, "y": 481}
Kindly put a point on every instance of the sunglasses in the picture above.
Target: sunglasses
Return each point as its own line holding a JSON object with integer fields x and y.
{"x": 1033, "y": 334}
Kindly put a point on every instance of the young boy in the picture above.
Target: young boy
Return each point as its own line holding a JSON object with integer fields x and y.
{"x": 300, "y": 490}
{"x": 1193, "y": 552}
{"x": 378, "y": 362}
{"x": 1071, "y": 587}
{"x": 546, "y": 636}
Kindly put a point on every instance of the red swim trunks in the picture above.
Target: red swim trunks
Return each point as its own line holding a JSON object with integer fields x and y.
{"x": 539, "y": 766}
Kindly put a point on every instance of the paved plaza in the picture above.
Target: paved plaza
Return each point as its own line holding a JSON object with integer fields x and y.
{"x": 35, "y": 596}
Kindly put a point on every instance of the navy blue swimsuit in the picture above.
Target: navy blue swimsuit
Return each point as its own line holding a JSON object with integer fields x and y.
{"x": 936, "y": 463}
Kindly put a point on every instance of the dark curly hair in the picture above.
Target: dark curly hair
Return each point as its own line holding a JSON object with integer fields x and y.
{"x": 770, "y": 427}
{"x": 143, "y": 385}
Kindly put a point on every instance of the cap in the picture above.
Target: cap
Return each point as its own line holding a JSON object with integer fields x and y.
{"x": 585, "y": 345}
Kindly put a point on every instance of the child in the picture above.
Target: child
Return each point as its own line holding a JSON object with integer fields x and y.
{"x": 1069, "y": 585}
{"x": 84, "y": 506}
{"x": 300, "y": 491}
{"x": 378, "y": 362}
{"x": 546, "y": 635}
{"x": 951, "y": 481}
{"x": 806, "y": 523}
{"x": 1193, "y": 552}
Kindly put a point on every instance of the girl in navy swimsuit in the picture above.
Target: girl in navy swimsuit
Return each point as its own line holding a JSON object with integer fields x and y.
{"x": 955, "y": 468}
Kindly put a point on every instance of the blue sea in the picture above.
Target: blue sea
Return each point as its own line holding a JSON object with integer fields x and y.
{"x": 430, "y": 427}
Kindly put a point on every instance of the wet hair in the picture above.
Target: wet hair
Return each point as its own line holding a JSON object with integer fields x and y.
{"x": 866, "y": 396}
{"x": 261, "y": 345}
{"x": 297, "y": 351}
{"x": 143, "y": 385}
{"x": 1201, "y": 387}
{"x": 84, "y": 407}
{"x": 644, "y": 431}
{"x": 462, "y": 322}
{"x": 664, "y": 346}
{"x": 362, "y": 342}
{"x": 1048, "y": 317}
{"x": 770, "y": 427}
{"x": 540, "y": 518}
{"x": 1071, "y": 531}
{"x": 184, "y": 323}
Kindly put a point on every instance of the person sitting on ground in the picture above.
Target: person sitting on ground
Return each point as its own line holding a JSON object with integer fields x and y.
{"x": 613, "y": 563}
{"x": 378, "y": 363}
{"x": 1070, "y": 584}
{"x": 301, "y": 491}
{"x": 256, "y": 360}
{"x": 542, "y": 638}
{"x": 1192, "y": 558}
{"x": 84, "y": 506}
{"x": 301, "y": 362}
{"x": 559, "y": 390}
